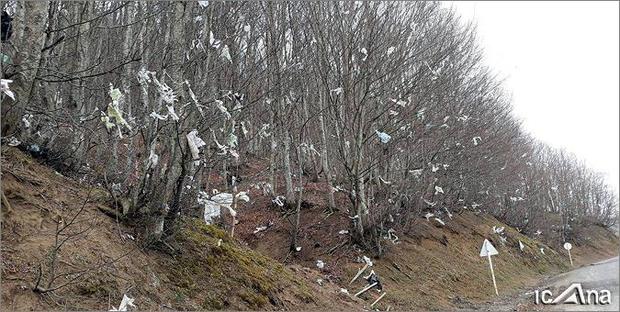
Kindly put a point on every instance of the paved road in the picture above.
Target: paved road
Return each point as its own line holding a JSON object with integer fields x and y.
{"x": 599, "y": 276}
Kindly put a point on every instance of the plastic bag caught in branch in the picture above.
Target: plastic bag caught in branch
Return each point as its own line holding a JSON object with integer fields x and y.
{"x": 244, "y": 129}
{"x": 166, "y": 93}
{"x": 115, "y": 113}
{"x": 263, "y": 131}
{"x": 115, "y": 94}
{"x": 106, "y": 120}
{"x": 158, "y": 116}
{"x": 4, "y": 88}
{"x": 194, "y": 99}
{"x": 172, "y": 113}
{"x": 153, "y": 160}
{"x": 232, "y": 140}
{"x": 195, "y": 143}
{"x": 143, "y": 75}
{"x": 226, "y": 54}
{"x": 223, "y": 149}
{"x": 220, "y": 105}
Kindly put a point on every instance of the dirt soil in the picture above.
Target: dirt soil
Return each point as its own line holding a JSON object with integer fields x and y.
{"x": 434, "y": 267}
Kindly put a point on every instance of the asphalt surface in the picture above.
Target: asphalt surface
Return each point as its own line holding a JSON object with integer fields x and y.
{"x": 597, "y": 276}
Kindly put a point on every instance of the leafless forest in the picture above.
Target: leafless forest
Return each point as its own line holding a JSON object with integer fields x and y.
{"x": 389, "y": 103}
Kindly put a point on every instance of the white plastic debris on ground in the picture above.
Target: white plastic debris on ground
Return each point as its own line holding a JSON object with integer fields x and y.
{"x": 383, "y": 137}
{"x": 279, "y": 201}
{"x": 320, "y": 264}
{"x": 367, "y": 261}
{"x": 259, "y": 229}
{"x": 126, "y": 302}
{"x": 438, "y": 189}
{"x": 14, "y": 141}
{"x": 428, "y": 215}
{"x": 498, "y": 230}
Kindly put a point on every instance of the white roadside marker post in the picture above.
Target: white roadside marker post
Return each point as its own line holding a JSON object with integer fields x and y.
{"x": 569, "y": 246}
{"x": 488, "y": 250}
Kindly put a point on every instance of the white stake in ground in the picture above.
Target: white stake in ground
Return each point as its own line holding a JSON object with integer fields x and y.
{"x": 569, "y": 246}
{"x": 487, "y": 251}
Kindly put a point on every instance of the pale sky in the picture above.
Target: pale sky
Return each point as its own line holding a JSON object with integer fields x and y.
{"x": 560, "y": 62}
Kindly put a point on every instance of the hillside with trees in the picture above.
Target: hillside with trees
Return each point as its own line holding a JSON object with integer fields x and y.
{"x": 374, "y": 116}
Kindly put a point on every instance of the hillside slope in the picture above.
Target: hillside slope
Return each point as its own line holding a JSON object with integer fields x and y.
{"x": 194, "y": 270}
{"x": 432, "y": 267}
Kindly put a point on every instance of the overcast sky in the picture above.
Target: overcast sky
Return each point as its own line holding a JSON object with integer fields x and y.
{"x": 560, "y": 62}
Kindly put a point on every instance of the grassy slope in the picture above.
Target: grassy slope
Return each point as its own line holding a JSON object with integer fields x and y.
{"x": 425, "y": 273}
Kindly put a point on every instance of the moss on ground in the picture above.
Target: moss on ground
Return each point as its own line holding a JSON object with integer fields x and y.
{"x": 214, "y": 267}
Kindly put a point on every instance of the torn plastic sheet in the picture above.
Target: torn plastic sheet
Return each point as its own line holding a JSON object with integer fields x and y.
{"x": 172, "y": 113}
{"x": 244, "y": 130}
{"x": 383, "y": 137}
{"x": 279, "y": 200}
{"x": 320, "y": 264}
{"x": 143, "y": 75}
{"x": 259, "y": 229}
{"x": 4, "y": 88}
{"x": 126, "y": 302}
{"x": 115, "y": 93}
{"x": 14, "y": 142}
{"x": 27, "y": 120}
{"x": 106, "y": 121}
{"x": 212, "y": 210}
{"x": 263, "y": 131}
{"x": 220, "y": 105}
{"x": 232, "y": 140}
{"x": 391, "y": 50}
{"x": 165, "y": 92}
{"x": 213, "y": 42}
{"x": 114, "y": 112}
{"x": 243, "y": 196}
{"x": 153, "y": 160}
{"x": 438, "y": 189}
{"x": 214, "y": 204}
{"x": 158, "y": 116}
{"x": 195, "y": 143}
{"x": 337, "y": 91}
{"x": 476, "y": 140}
{"x": 194, "y": 98}
{"x": 226, "y": 54}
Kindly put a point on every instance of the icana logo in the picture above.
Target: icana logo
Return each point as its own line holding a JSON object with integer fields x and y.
{"x": 574, "y": 294}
